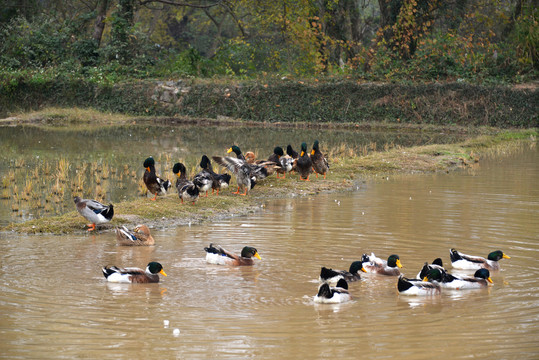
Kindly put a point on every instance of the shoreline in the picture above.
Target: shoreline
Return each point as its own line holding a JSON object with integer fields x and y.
{"x": 346, "y": 173}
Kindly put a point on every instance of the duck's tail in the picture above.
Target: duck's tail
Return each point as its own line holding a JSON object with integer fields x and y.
{"x": 454, "y": 255}
{"x": 108, "y": 213}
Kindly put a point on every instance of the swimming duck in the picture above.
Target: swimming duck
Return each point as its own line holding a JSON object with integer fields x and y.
{"x": 469, "y": 262}
{"x": 215, "y": 254}
{"x": 373, "y": 264}
{"x": 155, "y": 184}
{"x": 204, "y": 179}
{"x": 436, "y": 264}
{"x": 219, "y": 181}
{"x": 304, "y": 164}
{"x": 333, "y": 276}
{"x": 186, "y": 188}
{"x": 333, "y": 295}
{"x": 134, "y": 275}
{"x": 417, "y": 287}
{"x": 140, "y": 236}
{"x": 481, "y": 279}
{"x": 94, "y": 211}
{"x": 320, "y": 163}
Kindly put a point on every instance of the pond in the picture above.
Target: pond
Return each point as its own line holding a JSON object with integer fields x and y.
{"x": 41, "y": 169}
{"x": 55, "y": 302}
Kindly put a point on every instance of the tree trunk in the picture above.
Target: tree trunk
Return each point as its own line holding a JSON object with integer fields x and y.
{"x": 99, "y": 26}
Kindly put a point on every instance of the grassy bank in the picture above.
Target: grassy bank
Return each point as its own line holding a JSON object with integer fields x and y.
{"x": 283, "y": 100}
{"x": 347, "y": 170}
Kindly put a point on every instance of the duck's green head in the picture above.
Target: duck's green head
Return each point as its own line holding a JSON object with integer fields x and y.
{"x": 303, "y": 149}
{"x": 234, "y": 149}
{"x": 355, "y": 267}
{"x": 148, "y": 163}
{"x": 497, "y": 256}
{"x": 483, "y": 274}
{"x": 393, "y": 261}
{"x": 249, "y": 252}
{"x": 178, "y": 169}
{"x": 156, "y": 268}
{"x": 204, "y": 162}
{"x": 433, "y": 274}
{"x": 315, "y": 147}
{"x": 278, "y": 151}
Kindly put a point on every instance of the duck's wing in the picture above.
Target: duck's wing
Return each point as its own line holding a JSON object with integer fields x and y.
{"x": 95, "y": 206}
{"x": 232, "y": 164}
{"x": 456, "y": 256}
{"x": 217, "y": 249}
{"x": 125, "y": 234}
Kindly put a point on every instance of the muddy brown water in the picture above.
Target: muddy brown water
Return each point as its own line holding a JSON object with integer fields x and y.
{"x": 54, "y": 302}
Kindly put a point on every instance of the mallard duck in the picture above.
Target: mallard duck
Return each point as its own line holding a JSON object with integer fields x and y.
{"x": 304, "y": 165}
{"x": 241, "y": 170}
{"x": 186, "y": 188}
{"x": 215, "y": 254}
{"x": 291, "y": 152}
{"x": 436, "y": 264}
{"x": 333, "y": 295}
{"x": 417, "y": 287}
{"x": 332, "y": 276}
{"x": 320, "y": 163}
{"x": 283, "y": 163}
{"x": 481, "y": 279}
{"x": 258, "y": 170}
{"x": 133, "y": 274}
{"x": 204, "y": 179}
{"x": 94, "y": 211}
{"x": 140, "y": 236}
{"x": 219, "y": 181}
{"x": 155, "y": 184}
{"x": 469, "y": 262}
{"x": 373, "y": 264}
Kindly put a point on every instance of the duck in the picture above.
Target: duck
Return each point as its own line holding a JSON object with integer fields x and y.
{"x": 480, "y": 279}
{"x": 94, "y": 211}
{"x": 215, "y": 254}
{"x": 333, "y": 276}
{"x": 320, "y": 163}
{"x": 304, "y": 164}
{"x": 373, "y": 264}
{"x": 291, "y": 152}
{"x": 154, "y": 183}
{"x": 219, "y": 181}
{"x": 140, "y": 236}
{"x": 286, "y": 164}
{"x": 134, "y": 275}
{"x": 260, "y": 169}
{"x": 469, "y": 262}
{"x": 186, "y": 188}
{"x": 244, "y": 177}
{"x": 204, "y": 179}
{"x": 436, "y": 264}
{"x": 407, "y": 286}
{"x": 333, "y": 295}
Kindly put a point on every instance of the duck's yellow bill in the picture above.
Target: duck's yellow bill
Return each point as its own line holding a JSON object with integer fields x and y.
{"x": 302, "y": 153}
{"x": 257, "y": 256}
{"x": 312, "y": 152}
{"x": 506, "y": 257}
{"x": 425, "y": 279}
{"x": 229, "y": 151}
{"x": 490, "y": 280}
{"x": 162, "y": 272}
{"x": 363, "y": 269}
{"x": 399, "y": 263}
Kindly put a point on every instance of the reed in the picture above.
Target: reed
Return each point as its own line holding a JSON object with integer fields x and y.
{"x": 62, "y": 170}
{"x": 105, "y": 173}
{"x": 5, "y": 194}
{"x": 47, "y": 169}
{"x": 142, "y": 189}
{"x": 5, "y": 182}
{"x": 58, "y": 188}
{"x": 11, "y": 176}
{"x": 19, "y": 163}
